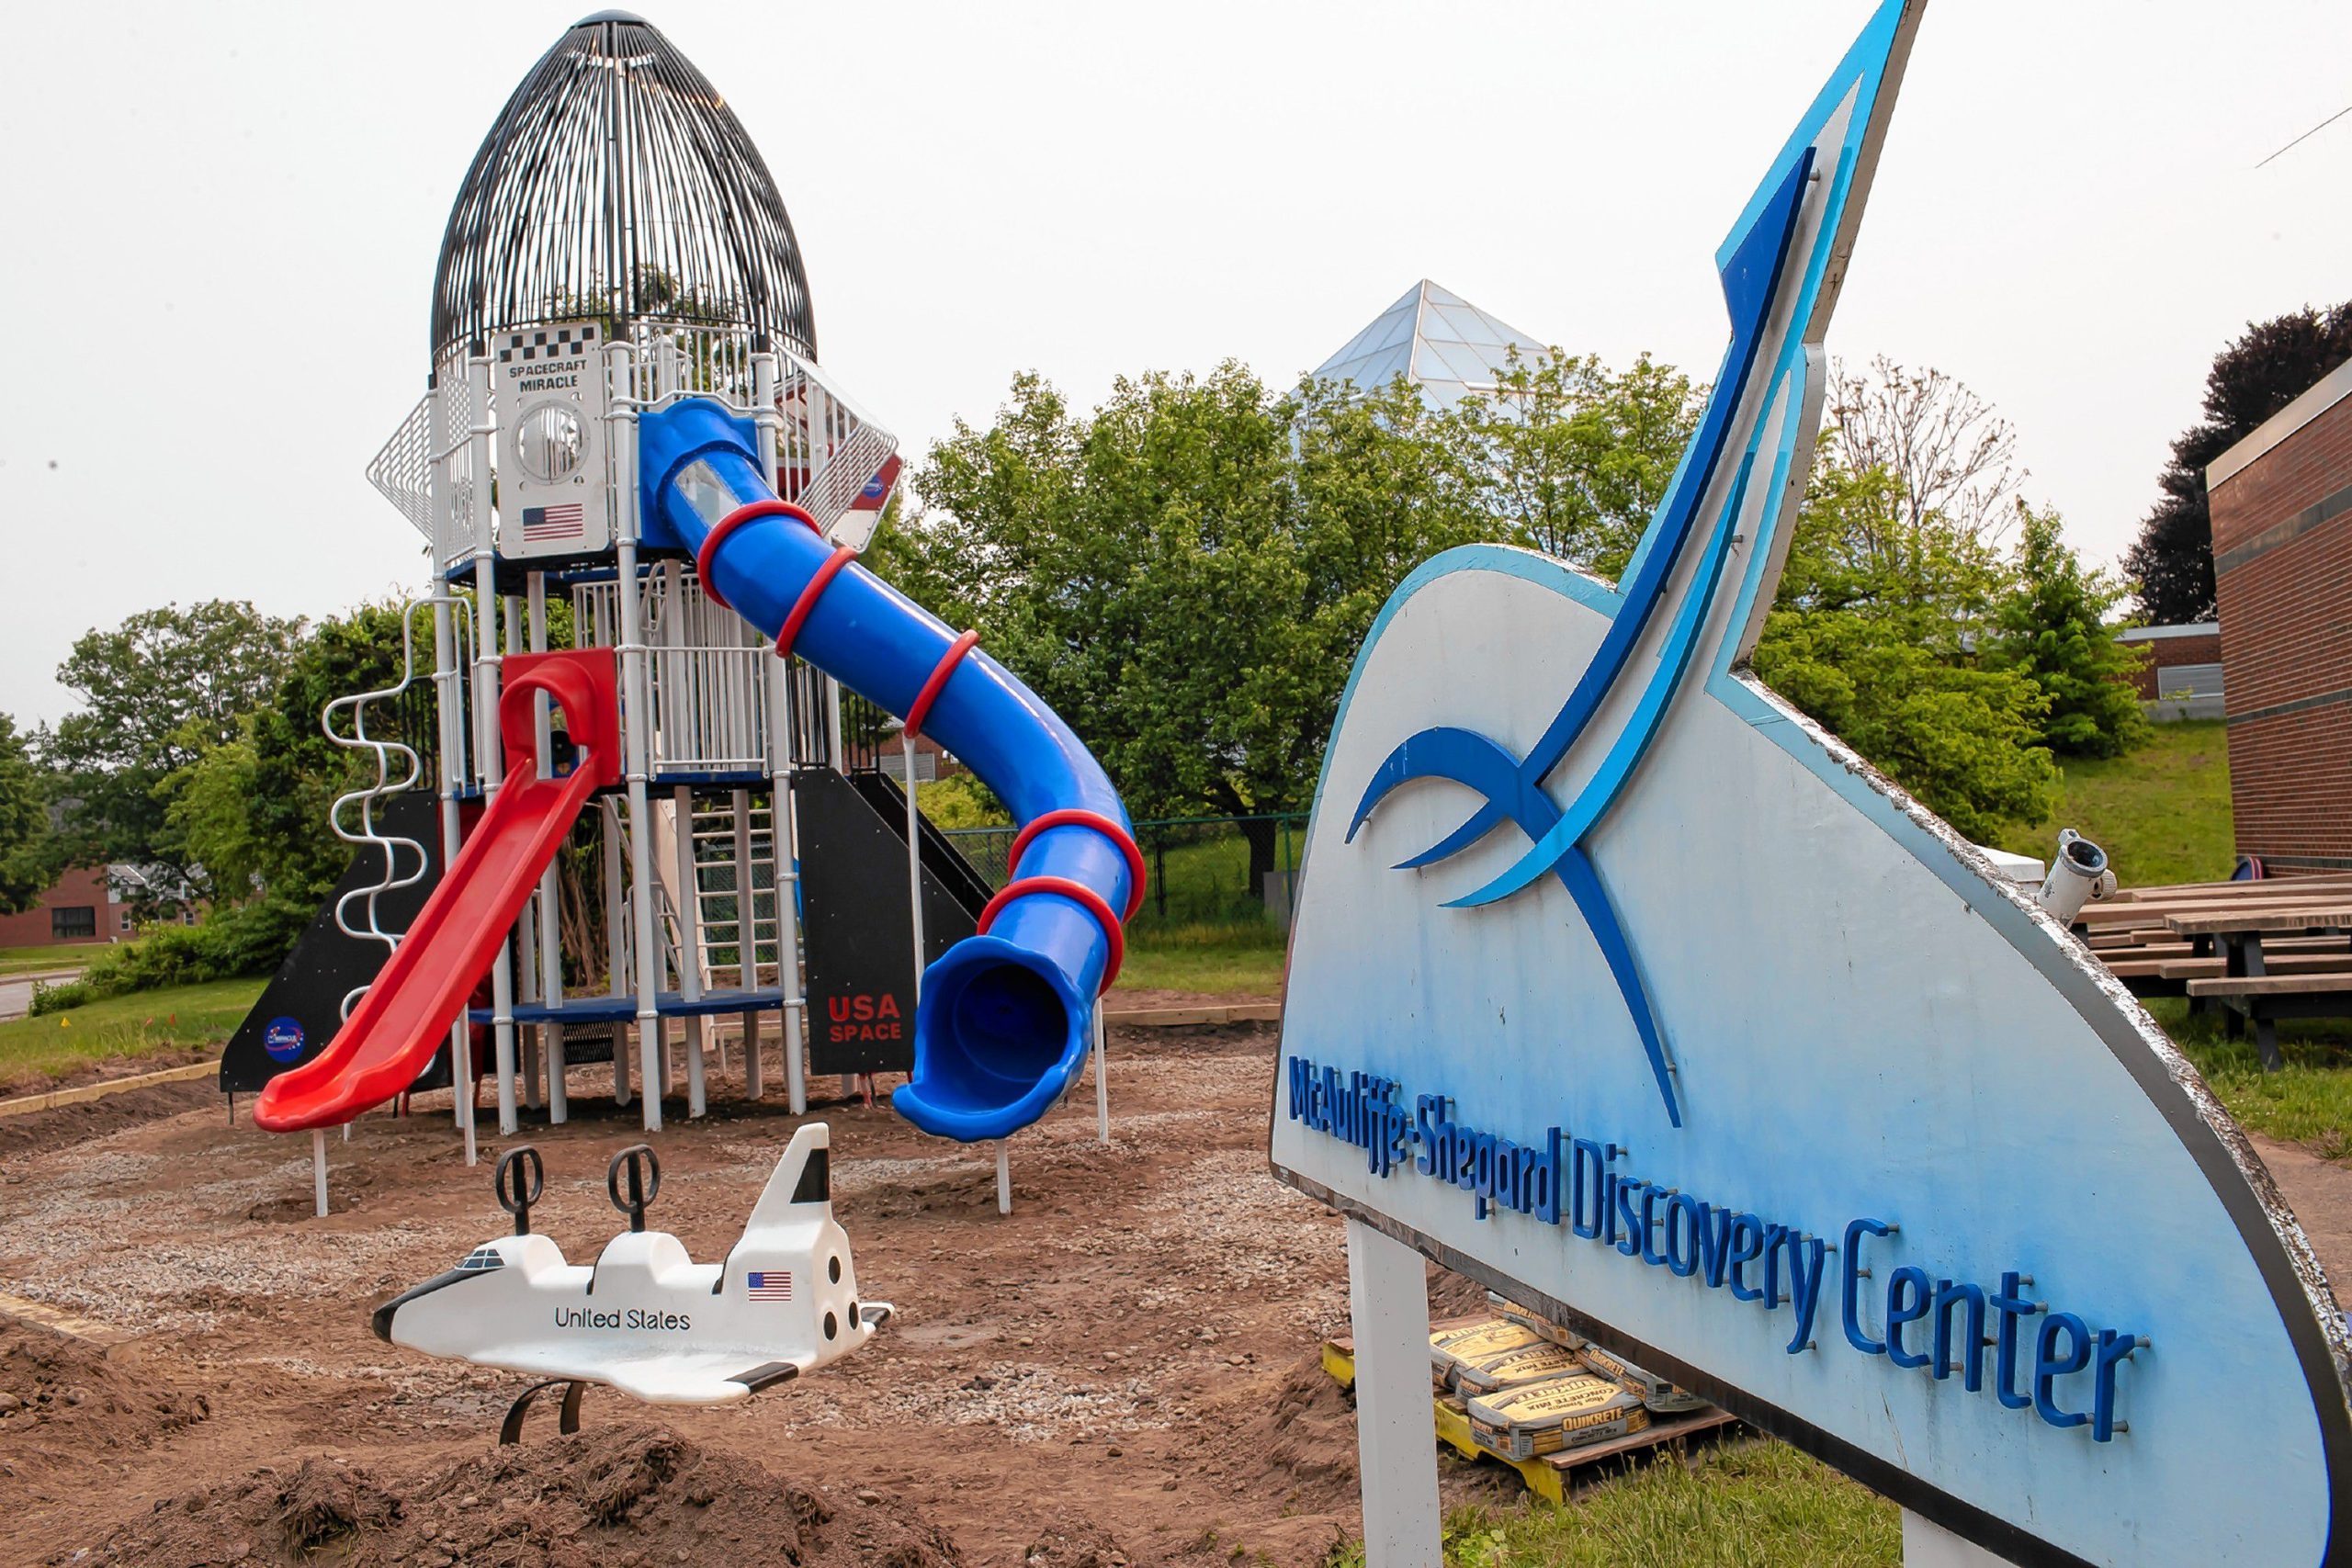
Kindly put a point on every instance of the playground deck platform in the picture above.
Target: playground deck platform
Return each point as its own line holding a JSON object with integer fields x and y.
{"x": 589, "y": 1010}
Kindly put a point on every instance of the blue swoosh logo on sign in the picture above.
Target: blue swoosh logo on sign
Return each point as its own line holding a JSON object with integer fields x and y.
{"x": 1512, "y": 787}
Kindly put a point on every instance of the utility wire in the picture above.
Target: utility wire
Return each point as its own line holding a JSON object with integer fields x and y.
{"x": 2307, "y": 135}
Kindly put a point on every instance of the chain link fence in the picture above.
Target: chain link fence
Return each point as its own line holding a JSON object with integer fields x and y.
{"x": 1201, "y": 868}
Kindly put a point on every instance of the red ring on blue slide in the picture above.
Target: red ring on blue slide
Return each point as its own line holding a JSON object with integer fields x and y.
{"x": 1079, "y": 816}
{"x": 790, "y": 631}
{"x": 748, "y": 513}
{"x": 920, "y": 708}
{"x": 1093, "y": 903}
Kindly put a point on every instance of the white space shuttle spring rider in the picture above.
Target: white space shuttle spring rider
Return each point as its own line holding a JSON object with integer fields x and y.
{"x": 645, "y": 1318}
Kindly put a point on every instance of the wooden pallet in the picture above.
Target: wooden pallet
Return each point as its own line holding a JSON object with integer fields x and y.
{"x": 1550, "y": 1476}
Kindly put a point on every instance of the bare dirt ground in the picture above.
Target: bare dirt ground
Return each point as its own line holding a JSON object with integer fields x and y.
{"x": 106, "y": 1069}
{"x": 1123, "y": 1371}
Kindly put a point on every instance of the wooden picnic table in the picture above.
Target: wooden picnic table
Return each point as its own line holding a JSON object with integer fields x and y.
{"x": 2184, "y": 892}
{"x": 2153, "y": 913}
{"x": 2248, "y": 986}
{"x": 2307, "y": 917}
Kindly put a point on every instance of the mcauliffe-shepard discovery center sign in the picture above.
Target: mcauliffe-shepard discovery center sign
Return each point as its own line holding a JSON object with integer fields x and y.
{"x": 1619, "y": 986}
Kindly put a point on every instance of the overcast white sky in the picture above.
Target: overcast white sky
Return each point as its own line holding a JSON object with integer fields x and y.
{"x": 221, "y": 223}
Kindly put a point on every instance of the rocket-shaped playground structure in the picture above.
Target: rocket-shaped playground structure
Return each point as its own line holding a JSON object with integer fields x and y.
{"x": 653, "y": 649}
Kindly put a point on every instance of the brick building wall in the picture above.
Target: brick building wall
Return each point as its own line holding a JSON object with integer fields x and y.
{"x": 2170, "y": 648}
{"x": 60, "y": 920}
{"x": 932, "y": 760}
{"x": 2282, "y": 556}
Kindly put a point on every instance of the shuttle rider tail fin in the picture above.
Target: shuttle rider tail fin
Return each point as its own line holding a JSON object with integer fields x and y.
{"x": 801, "y": 1190}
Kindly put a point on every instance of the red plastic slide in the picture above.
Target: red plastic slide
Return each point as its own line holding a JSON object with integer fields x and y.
{"x": 405, "y": 1015}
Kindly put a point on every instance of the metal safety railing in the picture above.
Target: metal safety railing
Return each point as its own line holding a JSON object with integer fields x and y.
{"x": 427, "y": 469}
{"x": 709, "y": 682}
{"x": 826, "y": 447}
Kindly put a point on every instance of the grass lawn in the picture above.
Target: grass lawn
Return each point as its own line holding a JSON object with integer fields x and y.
{"x": 2308, "y": 1101}
{"x": 2162, "y": 814}
{"x": 1204, "y": 958}
{"x": 37, "y": 960}
{"x": 1200, "y": 928}
{"x": 1740, "y": 1505}
{"x": 183, "y": 1017}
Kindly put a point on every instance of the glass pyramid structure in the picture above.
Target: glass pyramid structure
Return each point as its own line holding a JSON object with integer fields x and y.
{"x": 1435, "y": 339}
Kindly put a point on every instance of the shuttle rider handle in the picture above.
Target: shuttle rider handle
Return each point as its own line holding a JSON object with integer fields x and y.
{"x": 644, "y": 1170}
{"x": 1004, "y": 1023}
{"x": 521, "y": 1177}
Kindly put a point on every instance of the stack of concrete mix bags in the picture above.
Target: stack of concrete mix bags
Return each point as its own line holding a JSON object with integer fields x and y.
{"x": 1533, "y": 1388}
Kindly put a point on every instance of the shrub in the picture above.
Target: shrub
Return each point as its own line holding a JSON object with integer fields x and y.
{"x": 2052, "y": 626}
{"x": 57, "y": 998}
{"x": 245, "y": 939}
{"x": 960, "y": 800}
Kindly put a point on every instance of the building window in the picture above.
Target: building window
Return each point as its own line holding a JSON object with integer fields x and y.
{"x": 126, "y": 919}
{"x": 72, "y": 922}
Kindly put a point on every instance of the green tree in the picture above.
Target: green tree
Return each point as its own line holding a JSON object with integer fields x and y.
{"x": 1578, "y": 457}
{"x": 1185, "y": 573}
{"x": 253, "y": 809}
{"x": 1953, "y": 457}
{"x": 25, "y": 868}
{"x": 157, "y": 693}
{"x": 288, "y": 772}
{"x": 214, "y": 801}
{"x": 2052, "y": 627}
{"x": 1870, "y": 637}
{"x": 2266, "y": 368}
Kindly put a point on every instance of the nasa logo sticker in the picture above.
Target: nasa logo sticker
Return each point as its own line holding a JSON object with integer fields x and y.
{"x": 283, "y": 1039}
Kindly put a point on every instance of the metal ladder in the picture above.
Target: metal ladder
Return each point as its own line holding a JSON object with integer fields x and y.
{"x": 722, "y": 907}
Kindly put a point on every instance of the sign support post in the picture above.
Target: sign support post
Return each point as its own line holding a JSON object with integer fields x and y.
{"x": 1926, "y": 1544}
{"x": 1388, "y": 1306}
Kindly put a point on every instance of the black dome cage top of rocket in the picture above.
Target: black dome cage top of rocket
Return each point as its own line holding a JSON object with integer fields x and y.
{"x": 617, "y": 185}
{"x": 616, "y": 201}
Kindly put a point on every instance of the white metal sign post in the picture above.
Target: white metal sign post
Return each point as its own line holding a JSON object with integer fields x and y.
{"x": 1618, "y": 987}
{"x": 1388, "y": 1308}
{"x": 1928, "y": 1545}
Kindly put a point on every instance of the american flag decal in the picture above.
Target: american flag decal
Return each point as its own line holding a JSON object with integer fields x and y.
{"x": 566, "y": 520}
{"x": 770, "y": 1287}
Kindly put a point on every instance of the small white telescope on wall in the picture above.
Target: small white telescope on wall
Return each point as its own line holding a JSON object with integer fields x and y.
{"x": 2078, "y": 874}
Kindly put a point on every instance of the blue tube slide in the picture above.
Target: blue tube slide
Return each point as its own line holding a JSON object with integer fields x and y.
{"x": 1004, "y": 1024}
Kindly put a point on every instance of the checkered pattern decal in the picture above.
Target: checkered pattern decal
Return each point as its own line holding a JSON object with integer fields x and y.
{"x": 551, "y": 343}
